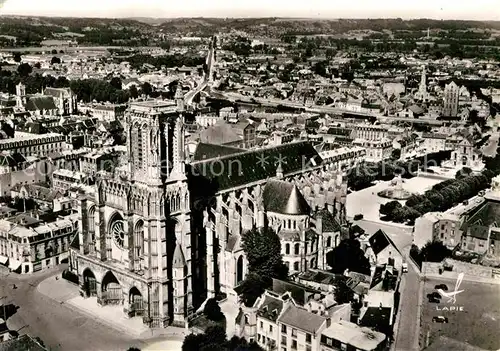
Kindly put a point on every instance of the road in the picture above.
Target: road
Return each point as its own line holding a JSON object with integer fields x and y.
{"x": 59, "y": 326}
{"x": 407, "y": 333}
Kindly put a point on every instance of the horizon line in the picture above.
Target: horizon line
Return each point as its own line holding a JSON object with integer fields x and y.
{"x": 319, "y": 18}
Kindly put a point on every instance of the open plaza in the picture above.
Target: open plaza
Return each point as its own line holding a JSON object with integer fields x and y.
{"x": 367, "y": 202}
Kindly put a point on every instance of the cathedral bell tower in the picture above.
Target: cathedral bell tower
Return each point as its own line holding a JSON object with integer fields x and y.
{"x": 179, "y": 232}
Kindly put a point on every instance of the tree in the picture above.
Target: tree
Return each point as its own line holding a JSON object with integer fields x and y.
{"x": 214, "y": 339}
{"x": 263, "y": 251}
{"x": 252, "y": 288}
{"x": 388, "y": 208}
{"x": 146, "y": 88}
{"x": 116, "y": 83}
{"x": 37, "y": 65}
{"x": 193, "y": 342}
{"x": 24, "y": 69}
{"x": 212, "y": 310}
{"x": 330, "y": 53}
{"x": 434, "y": 251}
{"x": 343, "y": 294}
{"x": 17, "y": 57}
{"x": 55, "y": 60}
{"x": 348, "y": 255}
{"x": 396, "y": 154}
{"x": 133, "y": 92}
{"x": 54, "y": 52}
{"x": 464, "y": 172}
{"x": 165, "y": 45}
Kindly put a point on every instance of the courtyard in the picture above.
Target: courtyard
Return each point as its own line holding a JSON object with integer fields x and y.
{"x": 367, "y": 202}
{"x": 475, "y": 320}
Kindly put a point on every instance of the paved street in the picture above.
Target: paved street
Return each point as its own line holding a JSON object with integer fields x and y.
{"x": 407, "y": 333}
{"x": 59, "y": 326}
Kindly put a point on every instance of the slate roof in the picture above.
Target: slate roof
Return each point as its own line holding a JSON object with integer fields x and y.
{"x": 37, "y": 103}
{"x": 377, "y": 318}
{"x": 205, "y": 151}
{"x": 322, "y": 277}
{"x": 239, "y": 169}
{"x": 485, "y": 215}
{"x": 379, "y": 241}
{"x": 378, "y": 276}
{"x": 300, "y": 293}
{"x": 219, "y": 134}
{"x": 23, "y": 342}
{"x": 330, "y": 224}
{"x": 270, "y": 308}
{"x": 75, "y": 243}
{"x": 11, "y": 160}
{"x": 301, "y": 319}
{"x": 33, "y": 127}
{"x": 38, "y": 191}
{"x": 285, "y": 198}
{"x": 56, "y": 92}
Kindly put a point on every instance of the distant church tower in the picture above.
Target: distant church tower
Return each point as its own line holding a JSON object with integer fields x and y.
{"x": 422, "y": 89}
{"x": 20, "y": 95}
{"x": 179, "y": 98}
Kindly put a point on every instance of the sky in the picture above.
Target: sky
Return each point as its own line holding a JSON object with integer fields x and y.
{"x": 437, "y": 9}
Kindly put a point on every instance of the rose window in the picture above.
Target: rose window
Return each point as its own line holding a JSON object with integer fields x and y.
{"x": 118, "y": 233}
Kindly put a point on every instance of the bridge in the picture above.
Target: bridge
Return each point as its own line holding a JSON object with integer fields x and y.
{"x": 235, "y": 97}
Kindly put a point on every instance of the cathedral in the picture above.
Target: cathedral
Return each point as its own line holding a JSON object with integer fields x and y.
{"x": 51, "y": 102}
{"x": 161, "y": 234}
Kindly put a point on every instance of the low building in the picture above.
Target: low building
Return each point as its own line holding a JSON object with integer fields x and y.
{"x": 108, "y": 112}
{"x": 382, "y": 250}
{"x": 63, "y": 179}
{"x": 434, "y": 142}
{"x": 300, "y": 329}
{"x": 437, "y": 226}
{"x": 29, "y": 144}
{"x": 15, "y": 170}
{"x": 32, "y": 244}
{"x": 376, "y": 150}
{"x": 345, "y": 335}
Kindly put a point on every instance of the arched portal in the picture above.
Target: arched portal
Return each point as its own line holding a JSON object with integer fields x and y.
{"x": 111, "y": 289}
{"x": 136, "y": 302}
{"x": 89, "y": 283}
{"x": 239, "y": 269}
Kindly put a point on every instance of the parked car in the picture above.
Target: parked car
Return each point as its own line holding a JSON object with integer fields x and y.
{"x": 434, "y": 297}
{"x": 442, "y": 287}
{"x": 358, "y": 217}
{"x": 440, "y": 319}
{"x": 404, "y": 267}
{"x": 434, "y": 294}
